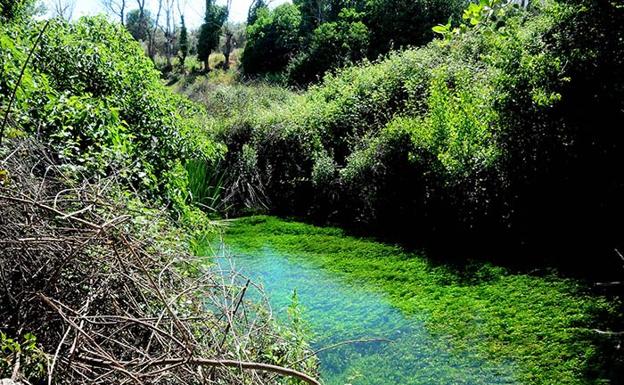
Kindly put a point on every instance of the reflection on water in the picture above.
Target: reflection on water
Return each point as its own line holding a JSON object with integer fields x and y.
{"x": 338, "y": 309}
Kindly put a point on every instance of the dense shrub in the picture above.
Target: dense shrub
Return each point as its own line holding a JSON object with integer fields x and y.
{"x": 91, "y": 94}
{"x": 560, "y": 140}
{"x": 390, "y": 178}
{"x": 485, "y": 133}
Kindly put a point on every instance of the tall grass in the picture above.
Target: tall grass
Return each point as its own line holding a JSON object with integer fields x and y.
{"x": 224, "y": 98}
{"x": 206, "y": 184}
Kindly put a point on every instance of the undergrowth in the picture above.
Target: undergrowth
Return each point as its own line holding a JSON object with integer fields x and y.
{"x": 485, "y": 136}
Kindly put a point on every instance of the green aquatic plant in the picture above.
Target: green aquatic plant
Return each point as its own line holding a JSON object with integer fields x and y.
{"x": 540, "y": 324}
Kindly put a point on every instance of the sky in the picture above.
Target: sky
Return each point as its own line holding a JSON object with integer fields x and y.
{"x": 193, "y": 9}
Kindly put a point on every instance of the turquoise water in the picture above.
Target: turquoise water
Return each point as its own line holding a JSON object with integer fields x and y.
{"x": 398, "y": 350}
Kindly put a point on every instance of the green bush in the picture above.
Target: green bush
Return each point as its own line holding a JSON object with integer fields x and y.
{"x": 390, "y": 177}
{"x": 92, "y": 94}
{"x": 495, "y": 131}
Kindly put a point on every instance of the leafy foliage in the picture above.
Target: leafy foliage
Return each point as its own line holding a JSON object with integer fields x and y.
{"x": 330, "y": 34}
{"x": 257, "y": 5}
{"x": 481, "y": 134}
{"x": 25, "y": 350}
{"x": 95, "y": 98}
{"x": 139, "y": 23}
{"x": 272, "y": 39}
{"x": 184, "y": 42}
{"x": 399, "y": 24}
{"x": 332, "y": 45}
{"x": 16, "y": 10}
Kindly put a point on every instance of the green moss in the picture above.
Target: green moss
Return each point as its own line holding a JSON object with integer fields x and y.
{"x": 540, "y": 324}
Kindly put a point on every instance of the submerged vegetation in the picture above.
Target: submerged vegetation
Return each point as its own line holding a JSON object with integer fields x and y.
{"x": 541, "y": 325}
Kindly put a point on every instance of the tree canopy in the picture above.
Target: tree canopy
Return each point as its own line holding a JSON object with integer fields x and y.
{"x": 272, "y": 40}
{"x": 307, "y": 38}
{"x": 139, "y": 23}
{"x": 184, "y": 41}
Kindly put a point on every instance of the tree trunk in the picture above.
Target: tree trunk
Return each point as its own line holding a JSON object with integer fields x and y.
{"x": 122, "y": 12}
{"x": 227, "y": 49}
{"x": 151, "y": 45}
{"x": 226, "y": 63}
{"x": 169, "y": 66}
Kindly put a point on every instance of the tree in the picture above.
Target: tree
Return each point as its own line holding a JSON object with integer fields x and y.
{"x": 142, "y": 27}
{"x": 151, "y": 33}
{"x": 139, "y": 23}
{"x": 254, "y": 8}
{"x": 272, "y": 40}
{"x": 316, "y": 12}
{"x": 210, "y": 31}
{"x": 169, "y": 32}
{"x": 64, "y": 9}
{"x": 11, "y": 10}
{"x": 141, "y": 7}
{"x": 332, "y": 45}
{"x": 116, "y": 7}
{"x": 396, "y": 24}
{"x": 312, "y": 14}
{"x": 184, "y": 41}
{"x": 229, "y": 39}
{"x": 228, "y": 46}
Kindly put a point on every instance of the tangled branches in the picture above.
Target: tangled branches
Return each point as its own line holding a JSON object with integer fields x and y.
{"x": 108, "y": 304}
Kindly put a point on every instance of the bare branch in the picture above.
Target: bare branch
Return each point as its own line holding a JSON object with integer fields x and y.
{"x": 109, "y": 305}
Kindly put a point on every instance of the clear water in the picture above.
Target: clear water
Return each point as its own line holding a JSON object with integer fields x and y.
{"x": 338, "y": 308}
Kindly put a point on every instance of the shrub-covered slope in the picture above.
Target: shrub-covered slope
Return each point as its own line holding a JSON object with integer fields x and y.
{"x": 91, "y": 94}
{"x": 502, "y": 132}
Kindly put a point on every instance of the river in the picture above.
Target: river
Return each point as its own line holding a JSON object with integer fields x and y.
{"x": 414, "y": 323}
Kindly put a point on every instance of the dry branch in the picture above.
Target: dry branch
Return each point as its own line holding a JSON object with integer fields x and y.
{"x": 108, "y": 303}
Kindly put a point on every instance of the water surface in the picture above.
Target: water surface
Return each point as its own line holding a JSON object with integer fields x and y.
{"x": 397, "y": 348}
{"x": 434, "y": 323}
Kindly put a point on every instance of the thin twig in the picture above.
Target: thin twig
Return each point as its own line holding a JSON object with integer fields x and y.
{"x": 19, "y": 80}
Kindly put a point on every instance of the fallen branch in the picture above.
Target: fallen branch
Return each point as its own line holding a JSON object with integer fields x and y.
{"x": 107, "y": 303}
{"x": 214, "y": 363}
{"x": 608, "y": 333}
